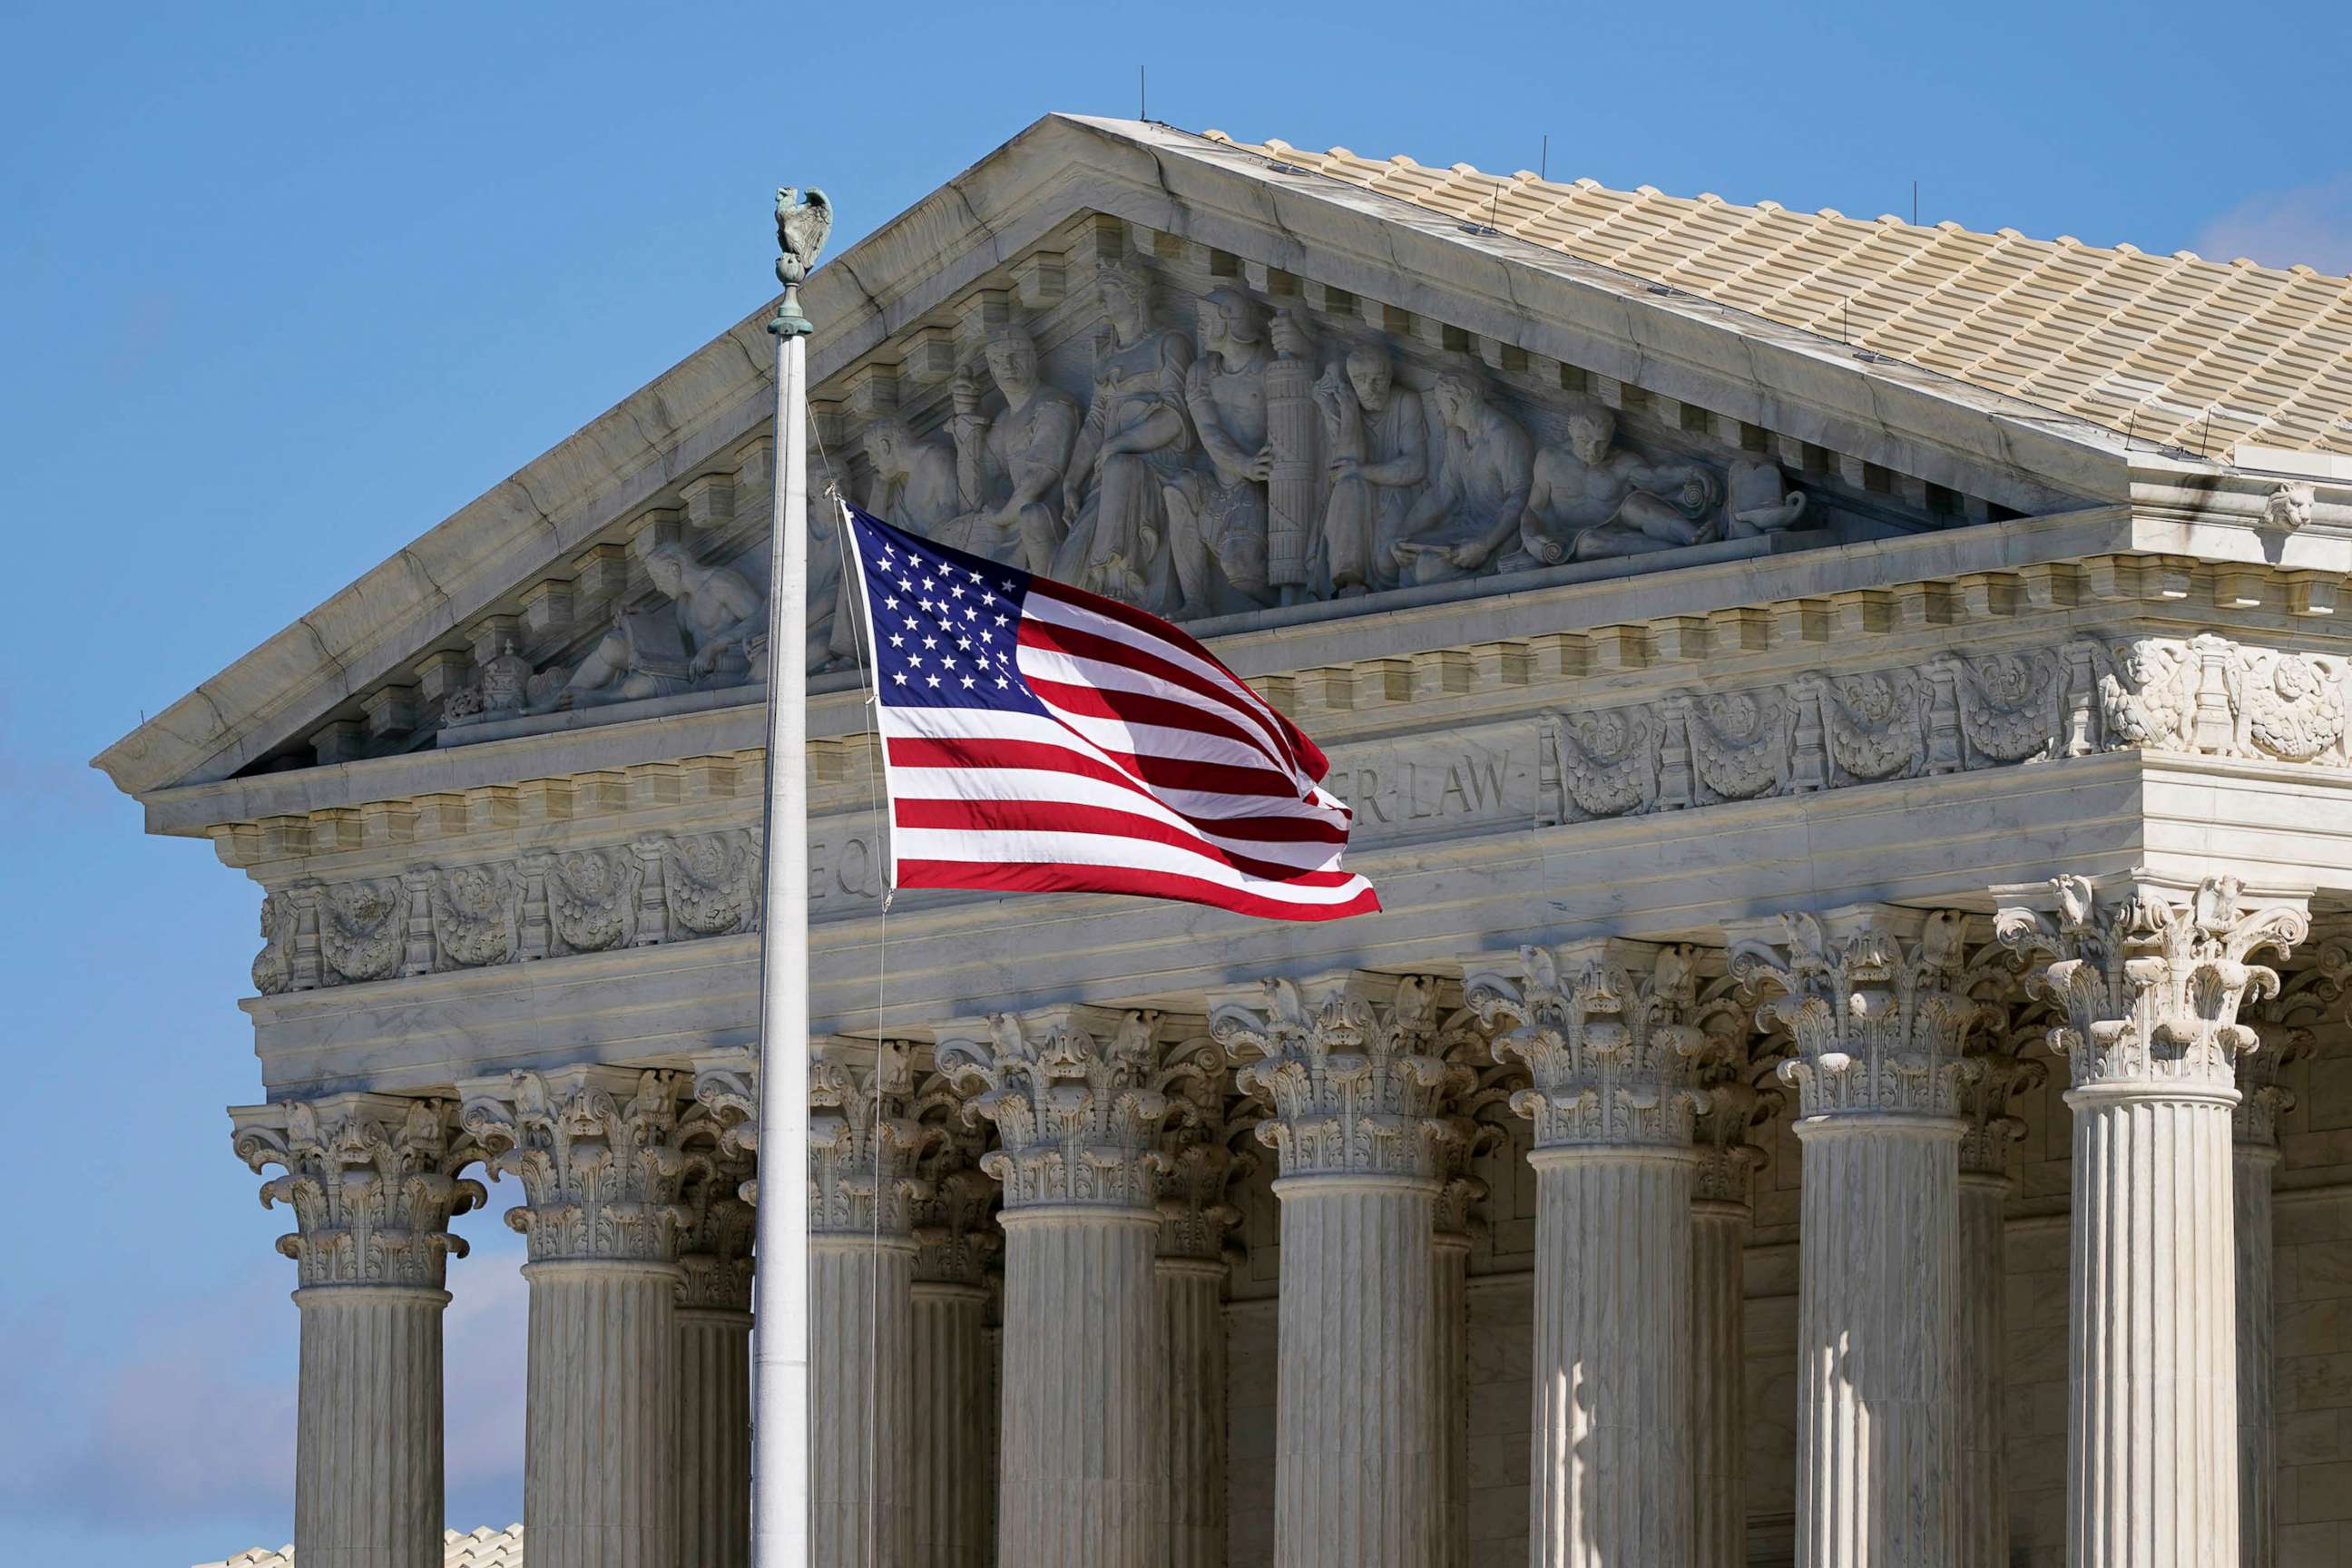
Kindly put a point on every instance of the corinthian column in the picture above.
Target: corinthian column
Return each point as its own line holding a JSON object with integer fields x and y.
{"x": 1348, "y": 1065}
{"x": 1983, "y": 1499}
{"x": 2282, "y": 1025}
{"x": 1605, "y": 1029}
{"x": 371, "y": 1182}
{"x": 714, "y": 1322}
{"x": 1196, "y": 1165}
{"x": 1084, "y": 1443}
{"x": 1722, "y": 1190}
{"x": 1875, "y": 998}
{"x": 953, "y": 1484}
{"x": 1459, "y": 1196}
{"x": 2149, "y": 988}
{"x": 597, "y": 1152}
{"x": 861, "y": 1305}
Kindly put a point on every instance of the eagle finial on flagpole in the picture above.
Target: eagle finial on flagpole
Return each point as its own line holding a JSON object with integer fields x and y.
{"x": 781, "y": 1444}
{"x": 802, "y": 221}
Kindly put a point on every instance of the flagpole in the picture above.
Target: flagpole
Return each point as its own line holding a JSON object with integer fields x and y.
{"x": 780, "y": 1281}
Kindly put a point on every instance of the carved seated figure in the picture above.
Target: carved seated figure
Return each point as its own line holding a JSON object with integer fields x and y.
{"x": 1217, "y": 517}
{"x": 706, "y": 636}
{"x": 1136, "y": 441}
{"x": 1010, "y": 469}
{"x": 1379, "y": 457}
{"x": 1480, "y": 503}
{"x": 914, "y": 481}
{"x": 1593, "y": 501}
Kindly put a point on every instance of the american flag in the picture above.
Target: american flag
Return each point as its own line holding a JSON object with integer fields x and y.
{"x": 1040, "y": 739}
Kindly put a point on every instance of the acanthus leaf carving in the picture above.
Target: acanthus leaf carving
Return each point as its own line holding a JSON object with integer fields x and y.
{"x": 2148, "y": 984}
{"x": 1351, "y": 1068}
{"x": 1071, "y": 1092}
{"x": 373, "y": 1182}
{"x": 1881, "y": 1003}
{"x": 601, "y": 1155}
{"x": 1608, "y": 1030}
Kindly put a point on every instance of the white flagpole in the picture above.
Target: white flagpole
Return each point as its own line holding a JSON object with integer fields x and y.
{"x": 780, "y": 1280}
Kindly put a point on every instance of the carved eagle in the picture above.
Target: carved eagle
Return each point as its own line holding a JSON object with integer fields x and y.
{"x": 802, "y": 221}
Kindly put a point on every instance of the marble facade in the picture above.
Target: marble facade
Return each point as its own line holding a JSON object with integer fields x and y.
{"x": 1848, "y": 1072}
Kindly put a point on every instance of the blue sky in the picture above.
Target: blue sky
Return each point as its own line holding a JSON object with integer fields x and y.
{"x": 282, "y": 286}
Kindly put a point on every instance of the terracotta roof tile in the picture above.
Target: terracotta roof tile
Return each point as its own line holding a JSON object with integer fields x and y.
{"x": 2177, "y": 349}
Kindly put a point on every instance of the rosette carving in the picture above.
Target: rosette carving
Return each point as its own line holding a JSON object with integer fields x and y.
{"x": 1351, "y": 1068}
{"x": 373, "y": 1181}
{"x": 2147, "y": 986}
{"x": 1072, "y": 1093}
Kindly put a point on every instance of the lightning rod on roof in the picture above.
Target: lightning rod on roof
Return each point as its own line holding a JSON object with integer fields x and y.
{"x": 1543, "y": 164}
{"x": 1142, "y": 98}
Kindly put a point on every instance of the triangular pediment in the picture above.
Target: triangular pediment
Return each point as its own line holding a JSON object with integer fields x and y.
{"x": 1255, "y": 386}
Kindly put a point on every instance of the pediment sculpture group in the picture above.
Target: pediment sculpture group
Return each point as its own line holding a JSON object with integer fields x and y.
{"x": 1256, "y": 462}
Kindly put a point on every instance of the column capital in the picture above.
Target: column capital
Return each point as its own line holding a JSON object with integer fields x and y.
{"x": 1985, "y": 1098}
{"x": 2148, "y": 979}
{"x": 1197, "y": 1161}
{"x": 714, "y": 1235}
{"x": 2283, "y": 1026}
{"x": 373, "y": 1181}
{"x": 1352, "y": 1066}
{"x": 956, "y": 1239}
{"x": 862, "y": 1142}
{"x": 1072, "y": 1094}
{"x": 1608, "y": 1030}
{"x": 1728, "y": 1161}
{"x": 598, "y": 1152}
{"x": 1879, "y": 1000}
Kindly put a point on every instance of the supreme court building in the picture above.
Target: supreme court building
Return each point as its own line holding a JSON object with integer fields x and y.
{"x": 1847, "y": 721}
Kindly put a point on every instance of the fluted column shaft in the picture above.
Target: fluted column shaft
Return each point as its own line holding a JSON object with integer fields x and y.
{"x": 1611, "y": 1368}
{"x": 953, "y": 1473}
{"x": 861, "y": 1403}
{"x": 599, "y": 1445}
{"x": 1356, "y": 1411}
{"x": 714, "y": 1437}
{"x": 1718, "y": 1371}
{"x": 368, "y": 1466}
{"x": 2153, "y": 1360}
{"x": 1983, "y": 1499}
{"x": 1191, "y": 1309}
{"x": 1451, "y": 1306}
{"x": 1878, "y": 1260}
{"x": 2255, "y": 1164}
{"x": 1084, "y": 1445}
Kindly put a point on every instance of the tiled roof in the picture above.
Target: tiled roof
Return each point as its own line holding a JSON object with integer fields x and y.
{"x": 2173, "y": 349}
{"x": 483, "y": 1548}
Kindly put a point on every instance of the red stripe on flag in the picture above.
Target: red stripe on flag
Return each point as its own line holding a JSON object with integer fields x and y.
{"x": 1057, "y": 877}
{"x": 1060, "y": 817}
